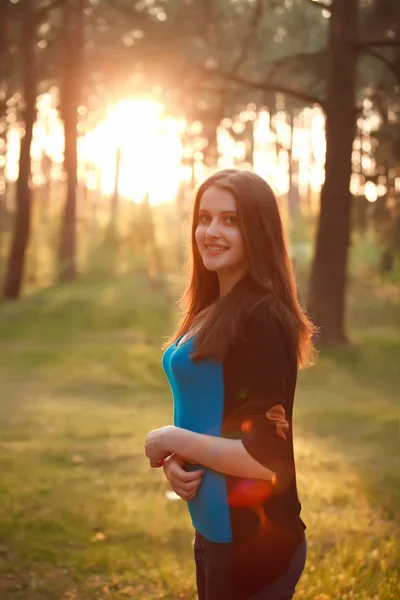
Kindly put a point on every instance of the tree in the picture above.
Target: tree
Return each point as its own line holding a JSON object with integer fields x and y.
{"x": 4, "y": 25}
{"x": 328, "y": 277}
{"x": 15, "y": 266}
{"x": 329, "y": 270}
{"x": 70, "y": 101}
{"x": 344, "y": 49}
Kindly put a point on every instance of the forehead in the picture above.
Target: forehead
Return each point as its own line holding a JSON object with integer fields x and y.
{"x": 215, "y": 200}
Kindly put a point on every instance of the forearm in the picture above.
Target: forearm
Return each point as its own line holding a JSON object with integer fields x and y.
{"x": 220, "y": 454}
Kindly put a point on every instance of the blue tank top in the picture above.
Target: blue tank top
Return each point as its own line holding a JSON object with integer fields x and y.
{"x": 198, "y": 394}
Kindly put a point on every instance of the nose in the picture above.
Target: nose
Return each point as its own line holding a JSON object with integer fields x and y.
{"x": 213, "y": 229}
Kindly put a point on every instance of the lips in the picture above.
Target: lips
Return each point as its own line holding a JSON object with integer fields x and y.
{"x": 215, "y": 248}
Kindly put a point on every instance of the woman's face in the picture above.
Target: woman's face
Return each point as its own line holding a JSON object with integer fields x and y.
{"x": 218, "y": 236}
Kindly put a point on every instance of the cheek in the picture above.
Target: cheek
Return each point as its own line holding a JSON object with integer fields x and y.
{"x": 238, "y": 243}
{"x": 198, "y": 235}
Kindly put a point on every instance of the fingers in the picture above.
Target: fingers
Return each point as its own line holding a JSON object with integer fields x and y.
{"x": 186, "y": 493}
{"x": 190, "y": 487}
{"x": 176, "y": 480}
{"x": 185, "y": 489}
{"x": 186, "y": 497}
{"x": 183, "y": 475}
{"x": 188, "y": 476}
{"x": 174, "y": 470}
{"x": 184, "y": 483}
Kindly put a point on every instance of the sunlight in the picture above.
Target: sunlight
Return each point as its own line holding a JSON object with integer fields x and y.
{"x": 151, "y": 151}
{"x": 153, "y": 162}
{"x": 149, "y": 141}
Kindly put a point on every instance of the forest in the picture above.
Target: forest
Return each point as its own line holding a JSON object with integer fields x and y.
{"x": 112, "y": 112}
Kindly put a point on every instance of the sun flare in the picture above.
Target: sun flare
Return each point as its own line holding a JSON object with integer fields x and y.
{"x": 153, "y": 161}
{"x": 150, "y": 146}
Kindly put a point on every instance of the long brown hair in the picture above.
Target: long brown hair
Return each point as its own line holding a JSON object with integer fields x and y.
{"x": 218, "y": 321}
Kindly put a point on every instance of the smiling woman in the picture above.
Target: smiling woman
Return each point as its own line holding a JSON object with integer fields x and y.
{"x": 232, "y": 368}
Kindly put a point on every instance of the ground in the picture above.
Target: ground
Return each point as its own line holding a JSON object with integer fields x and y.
{"x": 82, "y": 515}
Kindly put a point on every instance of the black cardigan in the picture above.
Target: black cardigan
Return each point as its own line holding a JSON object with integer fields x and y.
{"x": 260, "y": 374}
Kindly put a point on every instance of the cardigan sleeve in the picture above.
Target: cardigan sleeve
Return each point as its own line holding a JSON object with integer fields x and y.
{"x": 261, "y": 417}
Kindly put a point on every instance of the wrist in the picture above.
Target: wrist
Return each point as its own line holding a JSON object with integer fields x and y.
{"x": 181, "y": 442}
{"x": 169, "y": 435}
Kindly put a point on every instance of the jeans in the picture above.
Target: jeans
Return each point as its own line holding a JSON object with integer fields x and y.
{"x": 214, "y": 581}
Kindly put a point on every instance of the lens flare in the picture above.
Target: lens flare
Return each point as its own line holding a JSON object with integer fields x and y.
{"x": 250, "y": 493}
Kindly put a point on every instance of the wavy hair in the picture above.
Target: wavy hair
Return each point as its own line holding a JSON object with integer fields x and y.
{"x": 219, "y": 321}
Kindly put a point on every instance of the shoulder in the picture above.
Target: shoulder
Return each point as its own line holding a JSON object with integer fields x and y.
{"x": 262, "y": 321}
{"x": 260, "y": 359}
{"x": 265, "y": 335}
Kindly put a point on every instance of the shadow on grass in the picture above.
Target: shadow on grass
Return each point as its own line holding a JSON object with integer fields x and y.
{"x": 351, "y": 402}
{"x": 373, "y": 360}
{"x": 66, "y": 311}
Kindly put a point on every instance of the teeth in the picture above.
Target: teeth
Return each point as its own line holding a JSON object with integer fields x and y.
{"x": 215, "y": 248}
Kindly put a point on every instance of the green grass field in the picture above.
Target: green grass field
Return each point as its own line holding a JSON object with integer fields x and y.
{"x": 82, "y": 515}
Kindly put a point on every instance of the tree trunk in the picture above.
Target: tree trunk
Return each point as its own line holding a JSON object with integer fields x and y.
{"x": 210, "y": 152}
{"x": 3, "y": 186}
{"x": 155, "y": 267}
{"x": 46, "y": 164}
{"x": 328, "y": 277}
{"x": 293, "y": 192}
{"x": 4, "y": 26}
{"x": 71, "y": 93}
{"x": 269, "y": 101}
{"x": 249, "y": 141}
{"x": 15, "y": 268}
{"x": 114, "y": 217}
{"x": 307, "y": 204}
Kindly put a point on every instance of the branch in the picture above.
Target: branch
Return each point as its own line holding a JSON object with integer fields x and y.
{"x": 127, "y": 11}
{"x": 266, "y": 87}
{"x": 256, "y": 17}
{"x": 320, "y": 5}
{"x": 385, "y": 61}
{"x": 206, "y": 13}
{"x": 282, "y": 62}
{"x": 375, "y": 43}
{"x": 4, "y": 32}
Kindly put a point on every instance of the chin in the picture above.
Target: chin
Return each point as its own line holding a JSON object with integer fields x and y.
{"x": 212, "y": 268}
{"x": 215, "y": 268}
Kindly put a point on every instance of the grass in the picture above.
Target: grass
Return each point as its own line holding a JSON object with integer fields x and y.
{"x": 82, "y": 515}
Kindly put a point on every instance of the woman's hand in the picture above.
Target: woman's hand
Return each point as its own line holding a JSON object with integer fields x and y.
{"x": 155, "y": 447}
{"x": 184, "y": 483}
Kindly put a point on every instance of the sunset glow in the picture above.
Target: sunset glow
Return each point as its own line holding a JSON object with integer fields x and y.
{"x": 151, "y": 149}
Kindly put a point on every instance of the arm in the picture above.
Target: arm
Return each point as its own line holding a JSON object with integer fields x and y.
{"x": 223, "y": 455}
{"x": 261, "y": 379}
{"x": 257, "y": 423}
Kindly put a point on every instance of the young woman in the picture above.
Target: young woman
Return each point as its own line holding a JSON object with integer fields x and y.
{"x": 232, "y": 367}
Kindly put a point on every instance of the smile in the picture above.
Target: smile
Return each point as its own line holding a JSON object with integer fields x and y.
{"x": 215, "y": 248}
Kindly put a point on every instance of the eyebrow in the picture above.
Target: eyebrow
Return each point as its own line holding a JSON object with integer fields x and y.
{"x": 223, "y": 212}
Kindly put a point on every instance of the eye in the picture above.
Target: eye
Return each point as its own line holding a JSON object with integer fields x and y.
{"x": 203, "y": 218}
{"x": 231, "y": 220}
